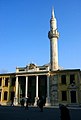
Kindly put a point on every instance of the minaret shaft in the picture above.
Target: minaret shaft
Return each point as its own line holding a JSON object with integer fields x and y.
{"x": 53, "y": 36}
{"x": 54, "y": 54}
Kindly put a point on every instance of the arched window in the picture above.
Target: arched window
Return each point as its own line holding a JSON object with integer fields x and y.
{"x": 5, "y": 95}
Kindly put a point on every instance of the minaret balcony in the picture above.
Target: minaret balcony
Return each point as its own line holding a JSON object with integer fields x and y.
{"x": 53, "y": 34}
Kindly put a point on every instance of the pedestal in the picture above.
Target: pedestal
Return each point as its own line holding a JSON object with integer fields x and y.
{"x": 15, "y": 101}
{"x": 36, "y": 99}
{"x": 48, "y": 101}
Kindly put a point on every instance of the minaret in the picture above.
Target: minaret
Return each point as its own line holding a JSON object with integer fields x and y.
{"x": 53, "y": 35}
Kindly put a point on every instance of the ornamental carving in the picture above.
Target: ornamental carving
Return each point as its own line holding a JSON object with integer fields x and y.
{"x": 32, "y": 66}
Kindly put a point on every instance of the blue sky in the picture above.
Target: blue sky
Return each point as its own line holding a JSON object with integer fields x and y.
{"x": 24, "y": 26}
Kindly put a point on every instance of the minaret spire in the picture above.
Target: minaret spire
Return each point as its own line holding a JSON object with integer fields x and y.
{"x": 52, "y": 12}
{"x": 53, "y": 35}
{"x": 53, "y": 22}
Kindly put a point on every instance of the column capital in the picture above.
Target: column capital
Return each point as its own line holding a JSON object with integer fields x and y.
{"x": 48, "y": 74}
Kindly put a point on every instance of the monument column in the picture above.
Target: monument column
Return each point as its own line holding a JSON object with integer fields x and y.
{"x": 16, "y": 92}
{"x": 36, "y": 98}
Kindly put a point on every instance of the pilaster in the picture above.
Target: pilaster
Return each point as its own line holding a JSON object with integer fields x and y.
{"x": 48, "y": 92}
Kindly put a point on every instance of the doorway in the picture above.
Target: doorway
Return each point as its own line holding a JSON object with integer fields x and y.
{"x": 73, "y": 96}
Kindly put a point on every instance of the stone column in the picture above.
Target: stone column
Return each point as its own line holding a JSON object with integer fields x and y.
{"x": 36, "y": 98}
{"x": 48, "y": 94}
{"x": 26, "y": 90}
{"x": 16, "y": 92}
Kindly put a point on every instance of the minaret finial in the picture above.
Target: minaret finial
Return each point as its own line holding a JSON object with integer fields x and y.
{"x": 52, "y": 12}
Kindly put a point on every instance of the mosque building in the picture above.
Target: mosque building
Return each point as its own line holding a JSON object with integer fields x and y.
{"x": 55, "y": 84}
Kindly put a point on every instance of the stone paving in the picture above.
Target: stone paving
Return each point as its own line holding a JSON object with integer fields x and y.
{"x": 19, "y": 113}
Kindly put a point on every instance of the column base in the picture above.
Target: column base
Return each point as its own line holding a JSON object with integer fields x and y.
{"x": 15, "y": 101}
{"x": 48, "y": 101}
{"x": 36, "y": 99}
